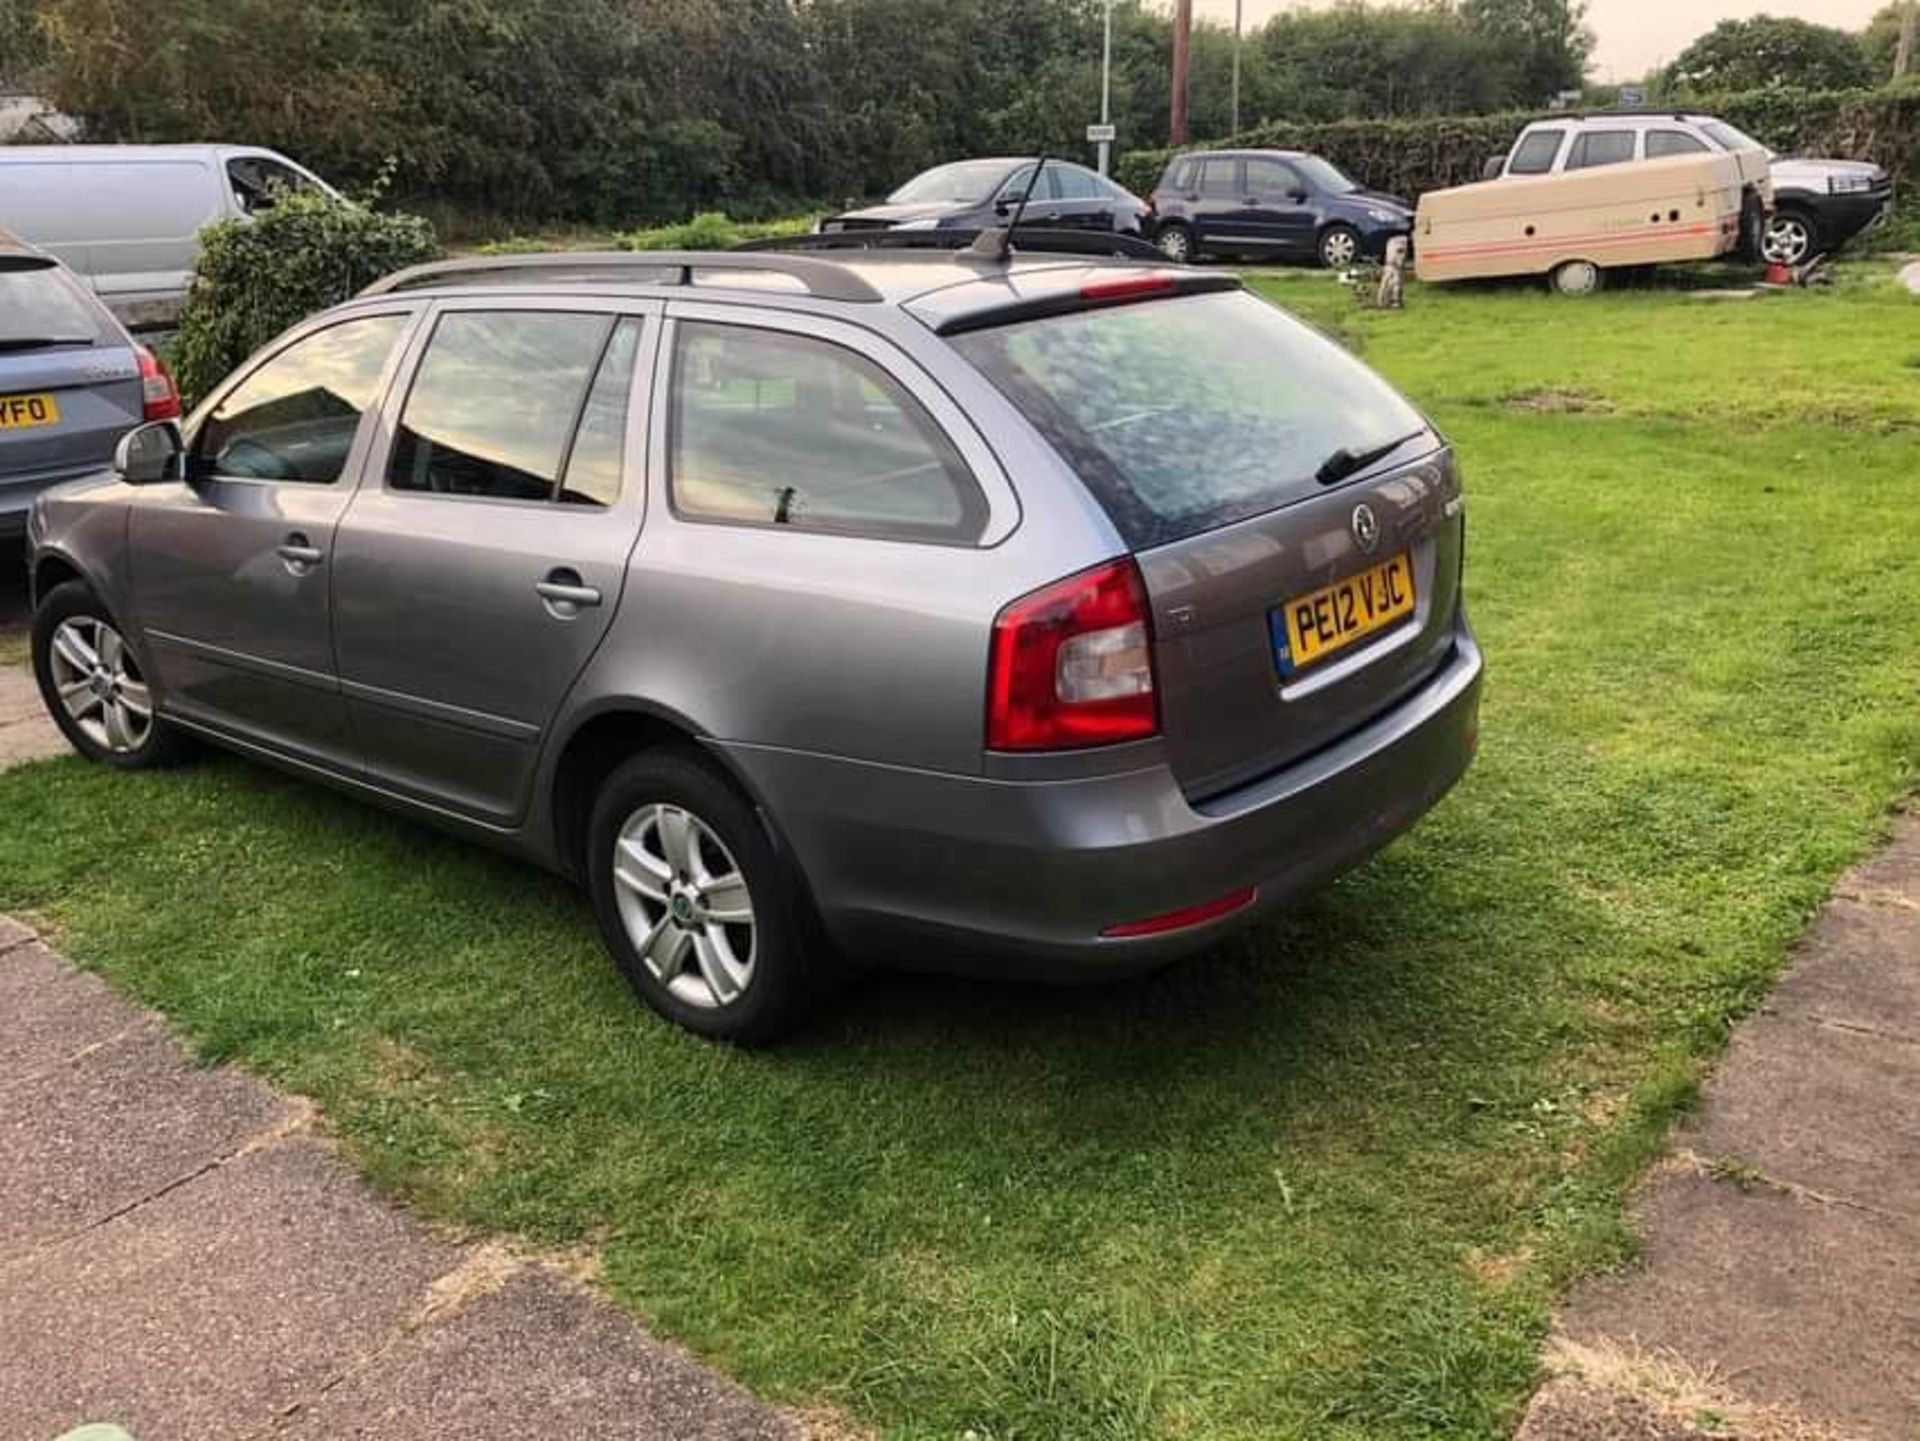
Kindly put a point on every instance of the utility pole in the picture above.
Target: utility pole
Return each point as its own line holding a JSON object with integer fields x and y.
{"x": 1235, "y": 130}
{"x": 1106, "y": 89}
{"x": 1903, "y": 56}
{"x": 1182, "y": 38}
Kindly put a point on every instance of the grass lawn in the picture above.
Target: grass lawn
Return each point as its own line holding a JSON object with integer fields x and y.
{"x": 1325, "y": 1183}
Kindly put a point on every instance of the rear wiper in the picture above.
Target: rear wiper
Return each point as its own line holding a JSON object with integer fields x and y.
{"x": 40, "y": 342}
{"x": 1343, "y": 462}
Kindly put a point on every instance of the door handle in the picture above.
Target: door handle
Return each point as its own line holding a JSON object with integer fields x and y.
{"x": 300, "y": 554}
{"x": 564, "y": 594}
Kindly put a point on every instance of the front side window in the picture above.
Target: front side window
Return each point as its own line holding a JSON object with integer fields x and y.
{"x": 1672, "y": 142}
{"x": 769, "y": 428}
{"x": 1171, "y": 449}
{"x": 295, "y": 418}
{"x": 1534, "y": 154}
{"x": 495, "y": 402}
{"x": 255, "y": 178}
{"x": 1272, "y": 179}
{"x": 1600, "y": 147}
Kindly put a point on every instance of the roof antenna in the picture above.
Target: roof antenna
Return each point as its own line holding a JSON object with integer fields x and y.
{"x": 997, "y": 243}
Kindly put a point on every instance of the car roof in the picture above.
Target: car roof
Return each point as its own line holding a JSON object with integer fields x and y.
{"x": 943, "y": 288}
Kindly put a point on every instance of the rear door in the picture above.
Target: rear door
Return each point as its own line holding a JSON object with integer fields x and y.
{"x": 1296, "y": 522}
{"x": 69, "y": 381}
{"x": 1219, "y": 214}
{"x": 478, "y": 572}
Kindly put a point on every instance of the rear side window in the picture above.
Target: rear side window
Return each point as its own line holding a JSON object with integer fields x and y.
{"x": 1220, "y": 176}
{"x": 1600, "y": 147}
{"x": 1171, "y": 448}
{"x": 594, "y": 467}
{"x": 40, "y": 305}
{"x": 1672, "y": 142}
{"x": 295, "y": 418}
{"x": 1534, "y": 154}
{"x": 495, "y": 402}
{"x": 769, "y": 428}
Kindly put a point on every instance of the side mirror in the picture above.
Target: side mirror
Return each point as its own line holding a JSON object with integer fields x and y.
{"x": 149, "y": 454}
{"x": 1494, "y": 168}
{"x": 1297, "y": 196}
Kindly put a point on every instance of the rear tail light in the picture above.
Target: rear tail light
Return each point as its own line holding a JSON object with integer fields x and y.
{"x": 1072, "y": 665}
{"x": 159, "y": 396}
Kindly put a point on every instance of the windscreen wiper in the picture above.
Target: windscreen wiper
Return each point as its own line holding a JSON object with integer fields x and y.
{"x": 1343, "y": 462}
{"x": 40, "y": 342}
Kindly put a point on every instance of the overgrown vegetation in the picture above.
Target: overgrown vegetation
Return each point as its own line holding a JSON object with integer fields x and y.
{"x": 1410, "y": 157}
{"x": 1324, "y": 1183}
{"x": 256, "y": 277}
{"x": 710, "y": 230}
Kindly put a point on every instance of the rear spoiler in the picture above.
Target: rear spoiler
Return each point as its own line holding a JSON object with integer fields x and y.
{"x": 1026, "y": 240}
{"x": 1066, "y": 291}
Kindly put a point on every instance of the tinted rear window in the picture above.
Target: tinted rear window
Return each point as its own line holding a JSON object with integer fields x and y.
{"x": 1193, "y": 412}
{"x": 39, "y": 303}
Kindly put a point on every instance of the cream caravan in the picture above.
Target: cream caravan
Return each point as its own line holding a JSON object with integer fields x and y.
{"x": 1574, "y": 225}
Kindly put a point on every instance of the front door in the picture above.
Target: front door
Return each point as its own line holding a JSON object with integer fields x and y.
{"x": 1280, "y": 212}
{"x": 230, "y": 567}
{"x": 476, "y": 576}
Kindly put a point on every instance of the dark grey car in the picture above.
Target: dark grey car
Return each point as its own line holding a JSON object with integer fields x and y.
{"x": 72, "y": 381}
{"x": 917, "y": 607}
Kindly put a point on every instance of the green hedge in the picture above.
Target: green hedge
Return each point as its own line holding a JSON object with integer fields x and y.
{"x": 1410, "y": 157}
{"x": 256, "y": 277}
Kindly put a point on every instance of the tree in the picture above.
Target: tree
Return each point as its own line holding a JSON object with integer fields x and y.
{"x": 1767, "y": 51}
{"x": 1541, "y": 45}
{"x": 1880, "y": 41}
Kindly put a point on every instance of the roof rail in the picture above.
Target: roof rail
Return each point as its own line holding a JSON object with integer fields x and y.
{"x": 668, "y": 267}
{"x": 1032, "y": 240}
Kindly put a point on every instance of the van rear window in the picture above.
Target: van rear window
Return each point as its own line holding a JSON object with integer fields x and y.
{"x": 1192, "y": 412}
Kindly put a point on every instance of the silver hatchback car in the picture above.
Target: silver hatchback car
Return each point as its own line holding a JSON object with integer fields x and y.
{"x": 1039, "y": 615}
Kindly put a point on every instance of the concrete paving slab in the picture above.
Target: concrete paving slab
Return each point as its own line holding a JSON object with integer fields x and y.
{"x": 538, "y": 1357}
{"x": 1805, "y": 1305}
{"x": 1831, "y": 1109}
{"x": 51, "y": 1011}
{"x": 1895, "y": 869}
{"x": 211, "y": 1311}
{"x": 1859, "y": 966}
{"x": 124, "y": 1121}
{"x": 26, "y": 731}
{"x": 14, "y": 933}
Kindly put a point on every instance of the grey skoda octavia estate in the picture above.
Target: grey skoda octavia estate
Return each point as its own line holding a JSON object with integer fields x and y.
{"x": 917, "y": 607}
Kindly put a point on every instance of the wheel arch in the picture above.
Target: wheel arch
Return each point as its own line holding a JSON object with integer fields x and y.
{"x": 52, "y": 568}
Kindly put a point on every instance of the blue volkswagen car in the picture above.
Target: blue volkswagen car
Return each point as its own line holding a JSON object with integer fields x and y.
{"x": 1271, "y": 204}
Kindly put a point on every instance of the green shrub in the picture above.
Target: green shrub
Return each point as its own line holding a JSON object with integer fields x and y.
{"x": 256, "y": 277}
{"x": 1410, "y": 157}
{"x": 712, "y": 230}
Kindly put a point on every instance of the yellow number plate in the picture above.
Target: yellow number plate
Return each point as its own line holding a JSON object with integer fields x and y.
{"x": 22, "y": 412}
{"x": 1315, "y": 625}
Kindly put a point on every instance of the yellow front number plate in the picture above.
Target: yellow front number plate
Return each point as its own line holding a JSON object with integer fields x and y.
{"x": 22, "y": 412}
{"x": 1315, "y": 625}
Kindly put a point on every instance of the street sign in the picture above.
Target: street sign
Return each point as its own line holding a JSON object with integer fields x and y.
{"x": 1100, "y": 134}
{"x": 1632, "y": 95}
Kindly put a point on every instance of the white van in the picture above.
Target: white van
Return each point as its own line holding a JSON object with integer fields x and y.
{"x": 127, "y": 218}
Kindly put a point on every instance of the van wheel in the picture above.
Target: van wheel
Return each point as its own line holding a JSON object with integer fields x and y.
{"x": 1575, "y": 277}
{"x": 1175, "y": 241}
{"x": 93, "y": 687}
{"x": 700, "y": 913}
{"x": 1339, "y": 247}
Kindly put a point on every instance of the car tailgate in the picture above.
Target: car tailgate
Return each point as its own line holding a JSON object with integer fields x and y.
{"x": 1234, "y": 702}
{"x": 77, "y": 401}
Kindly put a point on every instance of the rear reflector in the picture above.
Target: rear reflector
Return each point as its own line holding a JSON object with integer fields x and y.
{"x": 1192, "y": 916}
{"x": 1157, "y": 283}
{"x": 1072, "y": 665}
{"x": 159, "y": 396}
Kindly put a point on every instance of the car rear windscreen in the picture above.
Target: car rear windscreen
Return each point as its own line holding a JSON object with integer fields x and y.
{"x": 39, "y": 306}
{"x": 1192, "y": 412}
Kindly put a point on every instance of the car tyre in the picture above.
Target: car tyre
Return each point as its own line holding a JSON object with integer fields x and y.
{"x": 93, "y": 686}
{"x": 703, "y": 916}
{"x": 1792, "y": 236}
{"x": 1576, "y": 277}
{"x": 1175, "y": 241}
{"x": 1339, "y": 247}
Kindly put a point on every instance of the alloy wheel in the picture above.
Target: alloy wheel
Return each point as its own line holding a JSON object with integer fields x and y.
{"x": 1339, "y": 249}
{"x": 1788, "y": 240}
{"x": 686, "y": 905}
{"x": 100, "y": 686}
{"x": 1175, "y": 244}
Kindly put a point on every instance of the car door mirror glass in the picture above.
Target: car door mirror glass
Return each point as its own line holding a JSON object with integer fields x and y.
{"x": 1297, "y": 195}
{"x": 1491, "y": 170}
{"x": 149, "y": 454}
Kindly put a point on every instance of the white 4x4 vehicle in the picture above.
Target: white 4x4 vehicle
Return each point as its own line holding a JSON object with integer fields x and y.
{"x": 1816, "y": 204}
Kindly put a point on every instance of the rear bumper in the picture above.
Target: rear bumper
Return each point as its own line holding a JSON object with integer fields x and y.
{"x": 927, "y": 870}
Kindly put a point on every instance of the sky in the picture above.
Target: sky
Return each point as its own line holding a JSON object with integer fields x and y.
{"x": 1634, "y": 35}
